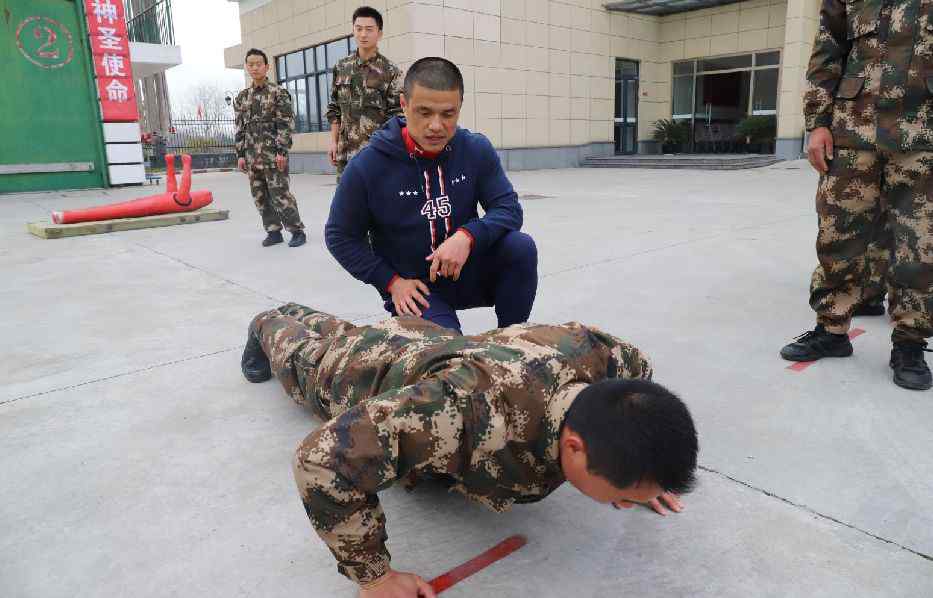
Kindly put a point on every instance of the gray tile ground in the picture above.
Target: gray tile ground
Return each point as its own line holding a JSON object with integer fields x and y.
{"x": 137, "y": 462}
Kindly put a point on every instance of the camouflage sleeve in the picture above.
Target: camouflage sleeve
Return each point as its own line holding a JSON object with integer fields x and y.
{"x": 627, "y": 360}
{"x": 333, "y": 108}
{"x": 240, "y": 119}
{"x": 340, "y": 468}
{"x": 394, "y": 94}
{"x": 284, "y": 122}
{"x": 830, "y": 50}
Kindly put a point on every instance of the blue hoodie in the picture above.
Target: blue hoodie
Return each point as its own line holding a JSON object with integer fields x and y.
{"x": 408, "y": 205}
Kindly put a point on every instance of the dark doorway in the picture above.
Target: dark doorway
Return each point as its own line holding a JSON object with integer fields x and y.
{"x": 626, "y": 106}
{"x": 721, "y": 103}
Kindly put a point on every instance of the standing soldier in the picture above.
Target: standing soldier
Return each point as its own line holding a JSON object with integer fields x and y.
{"x": 869, "y": 110}
{"x": 265, "y": 119}
{"x": 365, "y": 93}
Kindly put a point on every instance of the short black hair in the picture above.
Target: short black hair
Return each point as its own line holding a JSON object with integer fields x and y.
{"x": 257, "y": 52}
{"x": 635, "y": 430}
{"x": 367, "y": 12}
{"x": 434, "y": 73}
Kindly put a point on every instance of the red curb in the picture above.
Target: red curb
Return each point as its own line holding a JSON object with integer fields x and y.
{"x": 497, "y": 552}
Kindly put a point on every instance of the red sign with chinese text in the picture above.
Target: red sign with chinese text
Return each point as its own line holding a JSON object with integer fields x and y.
{"x": 105, "y": 13}
{"x": 111, "y": 53}
{"x": 117, "y": 99}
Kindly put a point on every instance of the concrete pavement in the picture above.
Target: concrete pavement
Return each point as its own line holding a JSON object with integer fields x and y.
{"x": 136, "y": 461}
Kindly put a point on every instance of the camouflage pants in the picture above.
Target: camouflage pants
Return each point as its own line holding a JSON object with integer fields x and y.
{"x": 861, "y": 189}
{"x": 275, "y": 202}
{"x": 878, "y": 258}
{"x": 289, "y": 336}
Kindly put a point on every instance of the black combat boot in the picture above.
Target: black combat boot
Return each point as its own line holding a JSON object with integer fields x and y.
{"x": 816, "y": 344}
{"x": 255, "y": 364}
{"x": 273, "y": 238}
{"x": 875, "y": 307}
{"x": 298, "y": 239}
{"x": 910, "y": 368}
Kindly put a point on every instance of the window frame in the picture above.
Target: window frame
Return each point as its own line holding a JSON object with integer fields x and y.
{"x": 312, "y": 76}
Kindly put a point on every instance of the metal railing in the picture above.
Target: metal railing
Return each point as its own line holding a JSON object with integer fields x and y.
{"x": 153, "y": 25}
{"x": 201, "y": 136}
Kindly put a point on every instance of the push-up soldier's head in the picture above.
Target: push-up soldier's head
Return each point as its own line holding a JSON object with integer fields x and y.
{"x": 431, "y": 99}
{"x": 627, "y": 441}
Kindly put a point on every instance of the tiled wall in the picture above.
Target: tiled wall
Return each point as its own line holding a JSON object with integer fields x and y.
{"x": 803, "y": 20}
{"x": 540, "y": 72}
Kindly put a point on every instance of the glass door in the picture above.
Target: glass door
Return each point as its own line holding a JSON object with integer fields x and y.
{"x": 626, "y": 106}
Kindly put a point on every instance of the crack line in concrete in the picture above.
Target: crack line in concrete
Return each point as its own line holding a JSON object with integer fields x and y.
{"x": 120, "y": 375}
{"x": 209, "y": 273}
{"x": 816, "y": 513}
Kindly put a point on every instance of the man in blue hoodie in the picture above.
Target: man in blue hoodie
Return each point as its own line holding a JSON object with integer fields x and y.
{"x": 405, "y": 220}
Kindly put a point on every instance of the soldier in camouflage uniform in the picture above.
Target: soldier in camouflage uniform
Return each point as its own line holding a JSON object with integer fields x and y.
{"x": 407, "y": 399}
{"x": 869, "y": 108}
{"x": 365, "y": 93}
{"x": 265, "y": 119}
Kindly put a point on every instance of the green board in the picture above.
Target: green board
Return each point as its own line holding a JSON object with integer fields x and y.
{"x": 50, "y": 123}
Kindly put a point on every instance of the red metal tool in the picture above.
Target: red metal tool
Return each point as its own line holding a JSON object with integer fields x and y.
{"x": 457, "y": 574}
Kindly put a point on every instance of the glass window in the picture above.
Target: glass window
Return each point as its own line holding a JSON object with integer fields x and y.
{"x": 684, "y": 68}
{"x": 323, "y": 87}
{"x": 314, "y": 114}
{"x": 618, "y": 106}
{"x": 766, "y": 87}
{"x": 280, "y": 68}
{"x": 308, "y": 77}
{"x": 726, "y": 63}
{"x": 631, "y": 100}
{"x": 301, "y": 99}
{"x": 319, "y": 56}
{"x": 353, "y": 45}
{"x": 683, "y": 97}
{"x": 295, "y": 64}
{"x": 768, "y": 59}
{"x": 335, "y": 51}
{"x": 626, "y": 68}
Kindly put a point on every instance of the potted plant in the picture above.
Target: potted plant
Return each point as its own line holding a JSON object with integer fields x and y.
{"x": 758, "y": 133}
{"x": 672, "y": 134}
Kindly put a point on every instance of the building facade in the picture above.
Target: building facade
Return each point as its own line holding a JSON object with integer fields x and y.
{"x": 551, "y": 82}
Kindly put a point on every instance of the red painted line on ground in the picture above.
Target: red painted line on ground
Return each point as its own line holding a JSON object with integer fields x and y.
{"x": 802, "y": 365}
{"x": 458, "y": 574}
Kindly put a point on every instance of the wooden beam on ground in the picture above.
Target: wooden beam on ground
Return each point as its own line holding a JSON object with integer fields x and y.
{"x": 48, "y": 230}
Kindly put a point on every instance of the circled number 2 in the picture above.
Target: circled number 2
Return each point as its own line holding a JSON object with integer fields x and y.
{"x": 50, "y": 38}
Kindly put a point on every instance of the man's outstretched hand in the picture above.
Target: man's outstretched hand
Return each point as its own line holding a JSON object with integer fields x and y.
{"x": 671, "y": 501}
{"x": 396, "y": 584}
{"x": 448, "y": 259}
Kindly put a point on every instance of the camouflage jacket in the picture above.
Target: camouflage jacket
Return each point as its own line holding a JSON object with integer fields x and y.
{"x": 364, "y": 96}
{"x": 265, "y": 119}
{"x": 410, "y": 398}
{"x": 870, "y": 77}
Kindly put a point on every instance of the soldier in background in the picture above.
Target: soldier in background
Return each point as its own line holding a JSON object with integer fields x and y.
{"x": 869, "y": 110}
{"x": 365, "y": 91}
{"x": 503, "y": 417}
{"x": 265, "y": 120}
